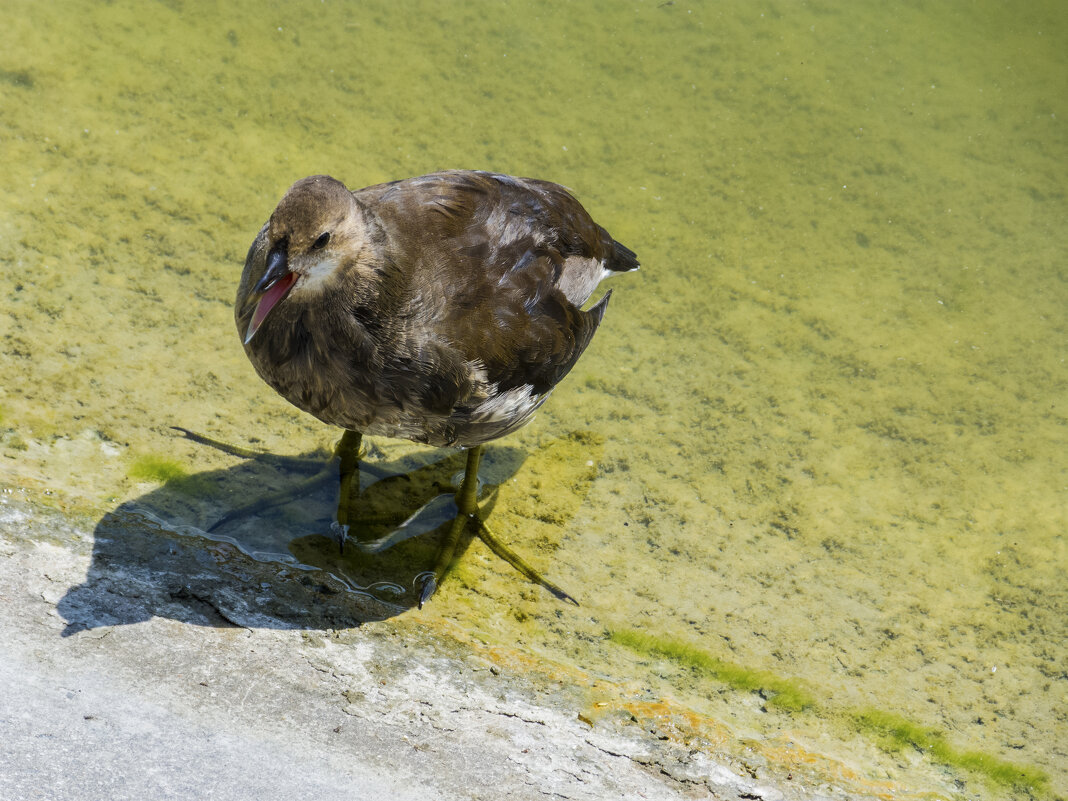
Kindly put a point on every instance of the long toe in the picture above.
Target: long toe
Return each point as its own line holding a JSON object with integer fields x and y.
{"x": 520, "y": 564}
{"x": 341, "y": 534}
{"x": 428, "y": 586}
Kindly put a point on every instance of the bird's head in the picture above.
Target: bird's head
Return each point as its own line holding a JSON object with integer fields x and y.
{"x": 315, "y": 230}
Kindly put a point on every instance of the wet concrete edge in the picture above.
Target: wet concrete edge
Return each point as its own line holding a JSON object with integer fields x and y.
{"x": 243, "y": 690}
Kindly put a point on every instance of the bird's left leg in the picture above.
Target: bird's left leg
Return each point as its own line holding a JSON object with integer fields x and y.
{"x": 467, "y": 505}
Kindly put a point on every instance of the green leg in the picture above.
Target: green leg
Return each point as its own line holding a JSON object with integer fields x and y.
{"x": 349, "y": 470}
{"x": 467, "y": 507}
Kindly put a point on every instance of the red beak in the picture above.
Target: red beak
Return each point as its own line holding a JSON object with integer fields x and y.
{"x": 275, "y": 285}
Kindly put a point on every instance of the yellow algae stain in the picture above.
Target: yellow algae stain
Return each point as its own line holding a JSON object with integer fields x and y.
{"x": 891, "y": 732}
{"x": 610, "y": 703}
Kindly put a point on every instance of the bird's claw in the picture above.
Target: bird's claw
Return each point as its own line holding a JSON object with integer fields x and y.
{"x": 341, "y": 533}
{"x": 429, "y": 586}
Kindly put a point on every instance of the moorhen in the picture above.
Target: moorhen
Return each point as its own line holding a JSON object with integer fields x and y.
{"x": 441, "y": 309}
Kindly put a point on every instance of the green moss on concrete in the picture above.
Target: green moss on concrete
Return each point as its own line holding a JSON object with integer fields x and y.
{"x": 895, "y": 733}
{"x": 173, "y": 475}
{"x": 783, "y": 693}
{"x": 156, "y": 468}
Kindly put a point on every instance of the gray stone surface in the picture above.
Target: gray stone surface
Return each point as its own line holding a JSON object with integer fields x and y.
{"x": 186, "y": 673}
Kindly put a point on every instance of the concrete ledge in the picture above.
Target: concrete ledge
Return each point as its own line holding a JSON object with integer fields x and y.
{"x": 196, "y": 672}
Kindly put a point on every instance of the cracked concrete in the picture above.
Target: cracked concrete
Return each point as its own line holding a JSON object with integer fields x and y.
{"x": 201, "y": 674}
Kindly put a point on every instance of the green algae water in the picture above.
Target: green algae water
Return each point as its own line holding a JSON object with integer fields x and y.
{"x": 810, "y": 477}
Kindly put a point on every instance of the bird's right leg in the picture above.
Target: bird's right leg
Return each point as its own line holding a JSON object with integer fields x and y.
{"x": 348, "y": 453}
{"x": 466, "y": 499}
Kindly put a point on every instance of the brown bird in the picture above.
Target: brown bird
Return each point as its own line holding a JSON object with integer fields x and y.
{"x": 441, "y": 309}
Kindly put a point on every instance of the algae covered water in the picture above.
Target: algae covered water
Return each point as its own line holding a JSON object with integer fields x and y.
{"x": 809, "y": 479}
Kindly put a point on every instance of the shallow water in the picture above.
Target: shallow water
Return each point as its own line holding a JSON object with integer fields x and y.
{"x": 825, "y": 423}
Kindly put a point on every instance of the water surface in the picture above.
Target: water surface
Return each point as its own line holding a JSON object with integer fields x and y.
{"x": 820, "y": 435}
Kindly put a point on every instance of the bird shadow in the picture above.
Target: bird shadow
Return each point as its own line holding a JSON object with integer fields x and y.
{"x": 279, "y": 567}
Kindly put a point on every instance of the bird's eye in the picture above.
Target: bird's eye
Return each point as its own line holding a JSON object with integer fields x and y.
{"x": 320, "y": 243}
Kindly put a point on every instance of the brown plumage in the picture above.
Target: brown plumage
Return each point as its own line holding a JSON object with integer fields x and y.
{"x": 441, "y": 309}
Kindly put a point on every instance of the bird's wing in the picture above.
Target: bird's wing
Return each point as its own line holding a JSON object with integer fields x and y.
{"x": 489, "y": 257}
